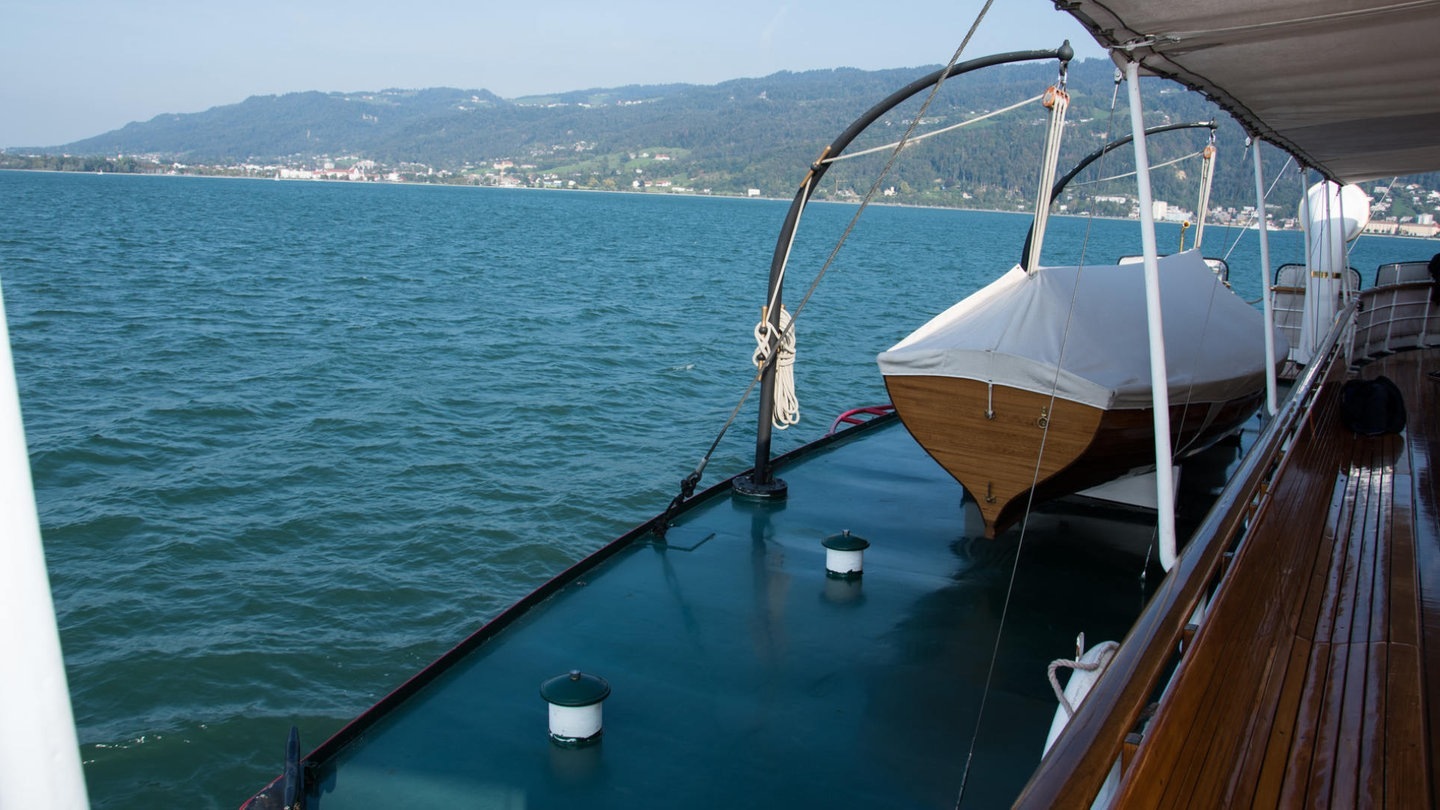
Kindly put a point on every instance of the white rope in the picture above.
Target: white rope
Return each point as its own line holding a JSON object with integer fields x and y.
{"x": 1356, "y": 241}
{"x": 1105, "y": 651}
{"x": 1207, "y": 179}
{"x": 1245, "y": 223}
{"x": 787, "y": 406}
{"x": 940, "y": 131}
{"x": 1132, "y": 174}
{"x": 1058, "y": 101}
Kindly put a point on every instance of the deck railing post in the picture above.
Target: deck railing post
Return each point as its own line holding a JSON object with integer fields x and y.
{"x": 1271, "y": 399}
{"x": 1159, "y": 378}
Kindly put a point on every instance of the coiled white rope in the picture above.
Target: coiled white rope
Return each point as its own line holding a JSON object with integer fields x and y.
{"x": 787, "y": 406}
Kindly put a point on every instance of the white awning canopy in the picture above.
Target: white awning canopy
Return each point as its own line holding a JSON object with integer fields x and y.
{"x": 1347, "y": 86}
{"x": 1020, "y": 329}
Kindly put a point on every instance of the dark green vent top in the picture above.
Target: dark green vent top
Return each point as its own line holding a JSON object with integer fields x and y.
{"x": 575, "y": 688}
{"x": 845, "y": 541}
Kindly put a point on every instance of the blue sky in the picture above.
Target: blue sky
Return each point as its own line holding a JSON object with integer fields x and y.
{"x": 77, "y": 68}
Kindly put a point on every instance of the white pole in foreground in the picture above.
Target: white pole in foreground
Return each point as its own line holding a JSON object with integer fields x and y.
{"x": 39, "y": 752}
{"x": 1159, "y": 379}
{"x": 1272, "y": 405}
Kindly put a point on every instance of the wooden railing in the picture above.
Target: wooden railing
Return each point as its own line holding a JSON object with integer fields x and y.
{"x": 1076, "y": 767}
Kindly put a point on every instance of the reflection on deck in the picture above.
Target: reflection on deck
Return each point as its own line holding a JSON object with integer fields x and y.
{"x": 742, "y": 674}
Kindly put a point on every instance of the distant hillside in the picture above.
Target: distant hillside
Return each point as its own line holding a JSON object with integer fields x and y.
{"x": 729, "y": 137}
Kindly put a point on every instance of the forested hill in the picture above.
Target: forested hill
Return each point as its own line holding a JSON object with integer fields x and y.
{"x": 727, "y": 138}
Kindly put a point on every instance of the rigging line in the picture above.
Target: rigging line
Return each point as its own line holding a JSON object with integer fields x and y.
{"x": 1132, "y": 174}
{"x": 1047, "y": 176}
{"x": 940, "y": 131}
{"x": 1292, "y": 22}
{"x": 1035, "y": 478}
{"x": 1058, "y": 101}
{"x": 889, "y": 164}
{"x": 1259, "y": 216}
{"x": 689, "y": 482}
{"x": 964, "y": 43}
{"x": 1209, "y": 307}
{"x": 687, "y": 485}
{"x": 1388, "y": 186}
{"x": 790, "y": 245}
{"x": 1207, "y": 184}
{"x": 1190, "y": 391}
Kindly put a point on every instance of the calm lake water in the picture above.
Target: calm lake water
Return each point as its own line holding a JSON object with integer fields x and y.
{"x": 293, "y": 440}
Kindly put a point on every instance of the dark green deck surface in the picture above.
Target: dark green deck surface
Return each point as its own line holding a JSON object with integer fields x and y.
{"x": 744, "y": 677}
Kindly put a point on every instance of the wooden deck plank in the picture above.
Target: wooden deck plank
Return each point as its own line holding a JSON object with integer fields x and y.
{"x": 1404, "y": 626}
{"x": 1265, "y": 780}
{"x": 1327, "y": 728}
{"x": 1415, "y": 579}
{"x": 1369, "y": 773}
{"x": 1207, "y": 743}
{"x": 1262, "y": 773}
{"x": 1314, "y": 680}
{"x": 1422, "y": 398}
{"x": 1352, "y": 745}
{"x": 1203, "y": 738}
{"x": 1407, "y": 771}
{"x": 1255, "y": 662}
{"x": 1299, "y": 762}
{"x": 1413, "y": 681}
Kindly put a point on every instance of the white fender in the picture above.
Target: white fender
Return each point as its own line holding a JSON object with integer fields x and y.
{"x": 1086, "y": 669}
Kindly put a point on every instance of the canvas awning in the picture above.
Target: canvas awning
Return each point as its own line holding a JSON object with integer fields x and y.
{"x": 1347, "y": 86}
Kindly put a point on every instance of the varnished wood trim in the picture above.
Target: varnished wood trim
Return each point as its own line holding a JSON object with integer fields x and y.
{"x": 991, "y": 439}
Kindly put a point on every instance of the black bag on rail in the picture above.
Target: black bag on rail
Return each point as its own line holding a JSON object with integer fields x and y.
{"x": 1372, "y": 407}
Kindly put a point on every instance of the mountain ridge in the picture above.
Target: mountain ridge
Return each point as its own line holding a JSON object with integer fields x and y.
{"x": 741, "y": 134}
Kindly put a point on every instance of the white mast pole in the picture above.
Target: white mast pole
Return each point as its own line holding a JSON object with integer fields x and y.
{"x": 1272, "y": 405}
{"x": 1159, "y": 379}
{"x": 39, "y": 752}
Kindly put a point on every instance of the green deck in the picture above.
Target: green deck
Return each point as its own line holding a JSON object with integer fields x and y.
{"x": 743, "y": 676}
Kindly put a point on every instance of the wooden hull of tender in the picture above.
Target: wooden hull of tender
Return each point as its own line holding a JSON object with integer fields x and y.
{"x": 995, "y": 457}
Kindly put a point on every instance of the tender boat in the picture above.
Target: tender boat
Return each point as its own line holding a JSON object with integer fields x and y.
{"x": 1038, "y": 385}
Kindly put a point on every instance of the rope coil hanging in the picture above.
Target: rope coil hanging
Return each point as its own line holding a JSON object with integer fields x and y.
{"x": 787, "y": 405}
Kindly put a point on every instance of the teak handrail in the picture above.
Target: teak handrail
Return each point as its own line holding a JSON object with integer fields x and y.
{"x": 1076, "y": 767}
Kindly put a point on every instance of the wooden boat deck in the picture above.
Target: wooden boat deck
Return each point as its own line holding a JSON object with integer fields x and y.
{"x": 1315, "y": 679}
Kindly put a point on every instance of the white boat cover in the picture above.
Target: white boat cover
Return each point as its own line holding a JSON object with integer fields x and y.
{"x": 1014, "y": 332}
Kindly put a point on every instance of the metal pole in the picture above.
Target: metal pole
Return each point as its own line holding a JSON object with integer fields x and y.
{"x": 39, "y": 753}
{"x": 1272, "y": 402}
{"x": 762, "y": 483}
{"x": 1159, "y": 379}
